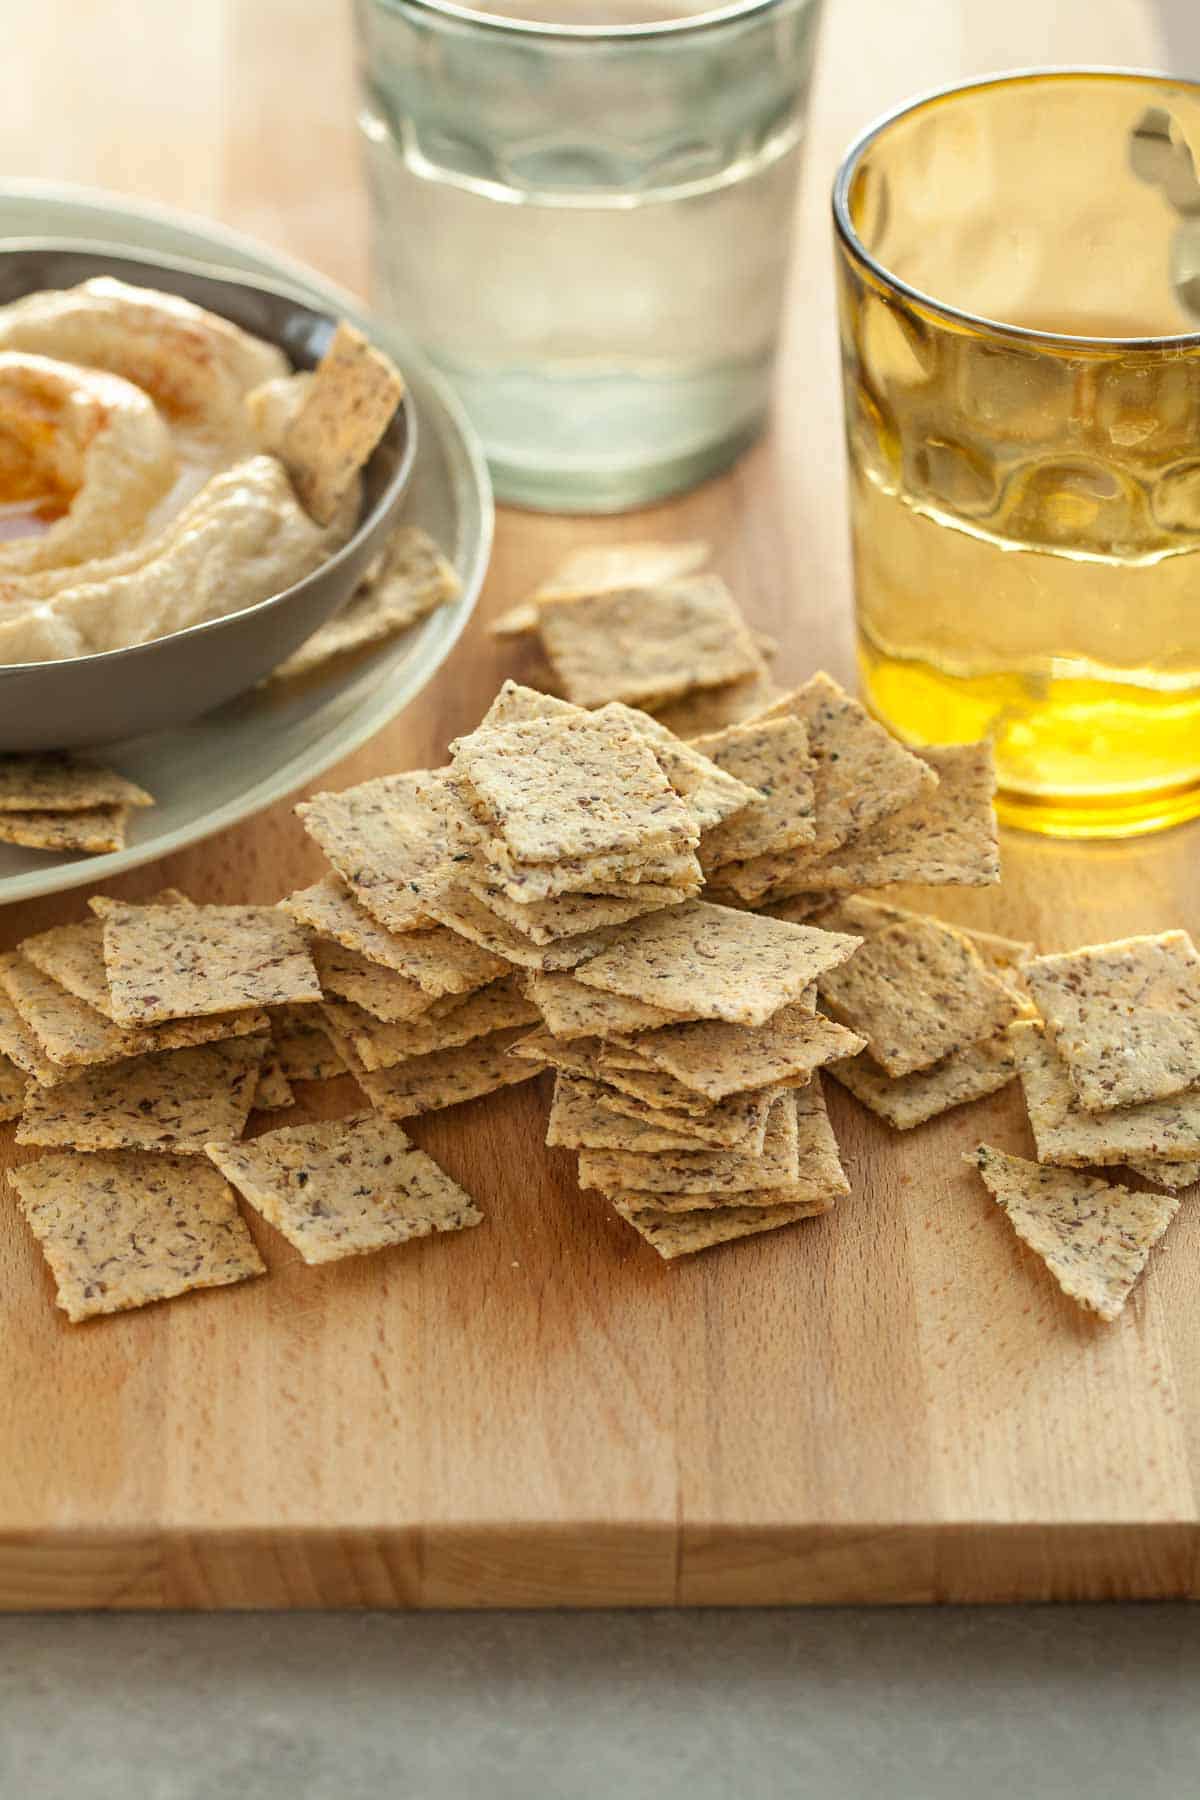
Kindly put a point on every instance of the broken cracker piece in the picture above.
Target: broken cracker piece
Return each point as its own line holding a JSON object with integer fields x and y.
{"x": 1068, "y": 1135}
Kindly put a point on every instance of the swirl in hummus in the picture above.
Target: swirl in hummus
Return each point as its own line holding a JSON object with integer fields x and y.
{"x": 139, "y": 491}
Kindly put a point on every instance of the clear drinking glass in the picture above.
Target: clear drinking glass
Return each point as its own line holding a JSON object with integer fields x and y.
{"x": 1019, "y": 270}
{"x": 585, "y": 221}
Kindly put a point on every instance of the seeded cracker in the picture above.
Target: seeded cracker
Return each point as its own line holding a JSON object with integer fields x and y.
{"x": 392, "y": 840}
{"x": 1068, "y": 1135}
{"x": 18, "y": 1043}
{"x": 648, "y": 644}
{"x": 96, "y": 832}
{"x": 56, "y": 784}
{"x": 917, "y": 992}
{"x": 547, "y": 921}
{"x": 379, "y": 1046}
{"x": 379, "y": 991}
{"x": 69, "y": 1033}
{"x": 444, "y": 1078}
{"x": 12, "y": 1090}
{"x": 580, "y": 1120}
{"x": 413, "y": 580}
{"x": 712, "y": 794}
{"x": 1095, "y": 1239}
{"x": 682, "y": 1234}
{"x": 715, "y": 962}
{"x": 121, "y": 1231}
{"x": 717, "y": 1059}
{"x": 526, "y": 882}
{"x": 565, "y": 787}
{"x": 602, "y": 569}
{"x": 176, "y": 1101}
{"x": 462, "y": 912}
{"x": 304, "y": 1050}
{"x": 770, "y": 756}
{"x": 1174, "y": 1176}
{"x": 569, "y": 1009}
{"x": 345, "y": 411}
{"x": 273, "y": 1092}
{"x": 439, "y": 961}
{"x": 698, "y": 1172}
{"x": 905, "y": 1101}
{"x": 176, "y": 963}
{"x": 711, "y": 709}
{"x": 343, "y": 1187}
{"x": 1124, "y": 1017}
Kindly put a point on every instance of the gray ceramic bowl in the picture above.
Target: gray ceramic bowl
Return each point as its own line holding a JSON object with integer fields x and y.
{"x": 89, "y": 700}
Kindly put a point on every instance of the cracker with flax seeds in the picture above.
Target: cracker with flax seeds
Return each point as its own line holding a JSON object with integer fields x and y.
{"x": 682, "y": 1234}
{"x": 70, "y": 1033}
{"x": 1174, "y": 1176}
{"x": 717, "y": 1059}
{"x": 1124, "y": 1017}
{"x": 1068, "y": 1135}
{"x": 60, "y": 783}
{"x": 706, "y": 710}
{"x": 905, "y": 1101}
{"x": 715, "y": 962}
{"x": 704, "y": 1172}
{"x": 178, "y": 963}
{"x": 120, "y": 1231}
{"x": 558, "y": 788}
{"x": 579, "y": 1120}
{"x": 771, "y": 757}
{"x": 346, "y": 409}
{"x": 443, "y": 1078}
{"x": 917, "y": 992}
{"x": 602, "y": 569}
{"x": 862, "y": 775}
{"x": 176, "y": 1101}
{"x": 648, "y": 644}
{"x": 304, "y": 1050}
{"x": 18, "y": 1043}
{"x": 947, "y": 836}
{"x": 711, "y": 792}
{"x": 526, "y": 882}
{"x": 13, "y": 1083}
{"x": 571, "y": 1010}
{"x": 461, "y": 911}
{"x": 471, "y": 1016}
{"x": 566, "y": 915}
{"x": 379, "y": 991}
{"x": 97, "y": 832}
{"x": 439, "y": 961}
{"x": 1094, "y": 1238}
{"x": 345, "y": 1187}
{"x": 413, "y": 580}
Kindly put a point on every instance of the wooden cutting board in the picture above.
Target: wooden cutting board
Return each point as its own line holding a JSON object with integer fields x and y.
{"x": 893, "y": 1403}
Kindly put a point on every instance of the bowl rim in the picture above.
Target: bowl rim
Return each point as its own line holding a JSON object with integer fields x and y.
{"x": 383, "y": 509}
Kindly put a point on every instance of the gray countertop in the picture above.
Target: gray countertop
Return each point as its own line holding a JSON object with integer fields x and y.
{"x": 841, "y": 1703}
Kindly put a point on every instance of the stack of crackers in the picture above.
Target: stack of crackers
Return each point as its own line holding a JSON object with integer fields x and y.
{"x": 60, "y": 803}
{"x": 1111, "y": 1075}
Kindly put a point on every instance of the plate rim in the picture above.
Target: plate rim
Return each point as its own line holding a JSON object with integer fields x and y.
{"x": 393, "y": 696}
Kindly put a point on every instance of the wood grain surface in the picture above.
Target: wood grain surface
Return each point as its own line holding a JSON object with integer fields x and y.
{"x": 893, "y": 1403}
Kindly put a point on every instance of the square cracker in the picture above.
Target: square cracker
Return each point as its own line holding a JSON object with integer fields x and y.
{"x": 175, "y": 1102}
{"x": 381, "y": 992}
{"x": 771, "y": 757}
{"x": 462, "y": 912}
{"x": 70, "y": 1033}
{"x": 573, "y": 787}
{"x": 1067, "y": 1134}
{"x": 1094, "y": 1238}
{"x": 861, "y": 776}
{"x": 716, "y": 1059}
{"x": 648, "y": 644}
{"x": 705, "y": 1172}
{"x": 715, "y": 962}
{"x": 566, "y": 915}
{"x": 917, "y": 991}
{"x": 443, "y": 1078}
{"x": 854, "y": 912}
{"x": 58, "y": 784}
{"x": 526, "y": 882}
{"x": 711, "y": 792}
{"x": 95, "y": 832}
{"x": 18, "y": 1043}
{"x": 185, "y": 962}
{"x": 571, "y": 1010}
{"x": 682, "y": 1234}
{"x": 13, "y": 1083}
{"x": 73, "y": 958}
{"x": 413, "y": 580}
{"x": 947, "y": 836}
{"x": 599, "y": 569}
{"x": 579, "y": 1120}
{"x": 1124, "y": 1017}
{"x": 342, "y": 1187}
{"x": 439, "y": 961}
{"x": 121, "y": 1231}
{"x": 905, "y": 1101}
{"x": 380, "y": 1046}
{"x": 1174, "y": 1176}
{"x": 345, "y": 411}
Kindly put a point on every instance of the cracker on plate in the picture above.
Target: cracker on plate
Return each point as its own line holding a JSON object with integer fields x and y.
{"x": 380, "y": 1046}
{"x": 715, "y": 962}
{"x": 648, "y": 644}
{"x": 439, "y": 961}
{"x": 123, "y": 1230}
{"x": 1124, "y": 1017}
{"x": 1094, "y": 1238}
{"x": 186, "y": 962}
{"x": 61, "y": 783}
{"x": 413, "y": 579}
{"x": 343, "y": 1187}
{"x": 682, "y": 1234}
{"x": 771, "y": 757}
{"x": 558, "y": 788}
{"x": 1067, "y": 1134}
{"x": 599, "y": 569}
{"x": 345, "y": 411}
{"x": 445, "y": 1077}
{"x": 175, "y": 1101}
{"x": 718, "y": 1059}
{"x": 917, "y": 991}
{"x": 905, "y": 1101}
{"x": 96, "y": 832}
{"x": 579, "y": 1120}
{"x": 706, "y": 1172}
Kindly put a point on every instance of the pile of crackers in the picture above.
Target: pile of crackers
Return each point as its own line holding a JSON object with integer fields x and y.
{"x": 62, "y": 803}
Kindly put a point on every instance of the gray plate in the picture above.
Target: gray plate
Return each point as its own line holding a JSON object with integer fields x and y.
{"x": 255, "y": 750}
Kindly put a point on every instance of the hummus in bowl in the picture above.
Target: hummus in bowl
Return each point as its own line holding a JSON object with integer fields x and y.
{"x": 140, "y": 492}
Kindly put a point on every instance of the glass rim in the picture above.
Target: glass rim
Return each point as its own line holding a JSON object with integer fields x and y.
{"x": 846, "y": 232}
{"x": 461, "y": 12}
